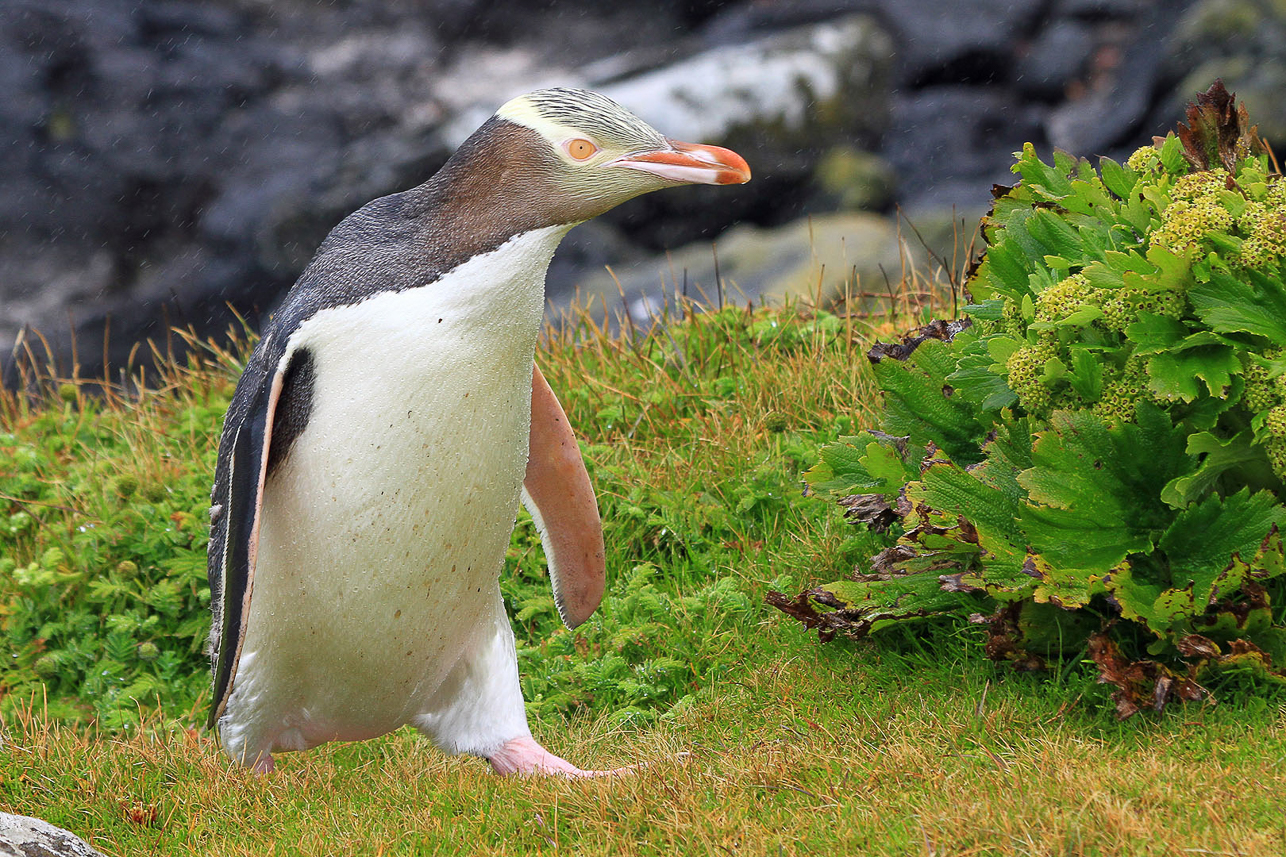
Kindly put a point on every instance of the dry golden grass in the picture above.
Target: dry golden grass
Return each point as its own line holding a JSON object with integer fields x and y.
{"x": 775, "y": 766}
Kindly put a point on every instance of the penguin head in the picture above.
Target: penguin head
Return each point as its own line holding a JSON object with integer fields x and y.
{"x": 596, "y": 154}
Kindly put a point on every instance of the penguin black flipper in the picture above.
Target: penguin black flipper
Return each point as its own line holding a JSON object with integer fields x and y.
{"x": 267, "y": 414}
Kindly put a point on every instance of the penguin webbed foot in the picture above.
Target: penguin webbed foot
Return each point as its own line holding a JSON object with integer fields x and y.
{"x": 525, "y": 757}
{"x": 264, "y": 765}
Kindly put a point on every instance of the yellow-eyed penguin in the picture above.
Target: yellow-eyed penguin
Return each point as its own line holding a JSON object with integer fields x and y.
{"x": 377, "y": 447}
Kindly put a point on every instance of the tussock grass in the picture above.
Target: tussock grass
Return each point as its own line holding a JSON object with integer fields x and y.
{"x": 756, "y": 739}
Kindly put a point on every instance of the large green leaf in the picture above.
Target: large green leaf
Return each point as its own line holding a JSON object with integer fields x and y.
{"x": 920, "y": 403}
{"x": 1095, "y": 489}
{"x": 1174, "y": 375}
{"x": 1204, "y": 537}
{"x": 870, "y": 463}
{"x": 1153, "y": 333}
{"x": 1055, "y": 235}
{"x": 1049, "y": 182}
{"x": 1220, "y": 455}
{"x": 969, "y": 510}
{"x": 975, "y": 378}
{"x": 1250, "y": 302}
{"x": 1119, "y": 180}
{"x": 1086, "y": 374}
{"x": 1212, "y": 549}
{"x": 839, "y": 468}
{"x": 1008, "y": 454}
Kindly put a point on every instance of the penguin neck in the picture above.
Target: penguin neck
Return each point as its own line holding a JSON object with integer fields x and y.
{"x": 500, "y": 184}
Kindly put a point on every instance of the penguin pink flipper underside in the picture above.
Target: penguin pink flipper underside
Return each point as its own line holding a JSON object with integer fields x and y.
{"x": 558, "y": 494}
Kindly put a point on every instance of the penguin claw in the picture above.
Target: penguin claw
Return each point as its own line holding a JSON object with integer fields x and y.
{"x": 523, "y": 756}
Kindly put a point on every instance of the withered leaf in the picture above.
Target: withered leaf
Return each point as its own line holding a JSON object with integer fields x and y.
{"x": 852, "y": 622}
{"x": 888, "y": 560}
{"x": 870, "y": 509}
{"x": 1005, "y": 640}
{"x": 1197, "y": 646}
{"x": 1139, "y": 682}
{"x": 1218, "y": 132}
{"x": 936, "y": 329}
{"x": 956, "y": 583}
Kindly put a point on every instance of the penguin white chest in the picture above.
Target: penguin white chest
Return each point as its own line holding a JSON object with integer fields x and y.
{"x": 384, "y": 529}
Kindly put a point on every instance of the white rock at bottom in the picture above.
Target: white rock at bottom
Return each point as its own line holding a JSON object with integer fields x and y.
{"x": 21, "y": 836}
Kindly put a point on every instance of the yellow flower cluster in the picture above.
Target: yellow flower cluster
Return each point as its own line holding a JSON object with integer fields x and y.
{"x": 1262, "y": 392}
{"x": 1123, "y": 307}
{"x": 1264, "y": 224}
{"x": 1199, "y": 185}
{"x": 1064, "y": 298}
{"x": 1187, "y": 222}
{"x": 1144, "y": 159}
{"x": 1116, "y": 405}
{"x": 1276, "y": 442}
{"x": 1012, "y": 321}
{"x": 1026, "y": 370}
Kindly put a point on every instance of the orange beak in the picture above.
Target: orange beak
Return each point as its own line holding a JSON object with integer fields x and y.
{"x": 690, "y": 163}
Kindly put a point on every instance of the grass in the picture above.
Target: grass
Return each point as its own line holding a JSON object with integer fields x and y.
{"x": 757, "y": 740}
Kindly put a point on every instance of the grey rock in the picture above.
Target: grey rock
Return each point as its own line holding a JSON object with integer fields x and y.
{"x": 816, "y": 256}
{"x": 964, "y": 40}
{"x": 163, "y": 132}
{"x": 21, "y": 836}
{"x": 950, "y": 144}
{"x": 1114, "y": 111}
{"x": 741, "y": 22}
{"x": 1101, "y": 9}
{"x": 937, "y": 42}
{"x": 1054, "y": 60}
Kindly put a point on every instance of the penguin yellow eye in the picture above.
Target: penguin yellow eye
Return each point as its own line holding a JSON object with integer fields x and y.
{"x": 580, "y": 148}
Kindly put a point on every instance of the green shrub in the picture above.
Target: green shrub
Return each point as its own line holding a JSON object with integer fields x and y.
{"x": 104, "y": 605}
{"x": 1092, "y": 461}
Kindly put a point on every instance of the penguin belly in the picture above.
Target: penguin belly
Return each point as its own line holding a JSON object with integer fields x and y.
{"x": 384, "y": 528}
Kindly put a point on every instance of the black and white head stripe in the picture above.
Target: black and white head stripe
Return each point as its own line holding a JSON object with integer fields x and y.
{"x": 561, "y": 111}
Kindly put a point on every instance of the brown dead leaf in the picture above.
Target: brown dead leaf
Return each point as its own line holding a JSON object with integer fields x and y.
{"x": 1004, "y": 640}
{"x": 1218, "y": 132}
{"x": 936, "y": 329}
{"x": 870, "y": 509}
{"x": 1141, "y": 682}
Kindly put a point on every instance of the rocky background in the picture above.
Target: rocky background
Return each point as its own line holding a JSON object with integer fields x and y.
{"x": 166, "y": 162}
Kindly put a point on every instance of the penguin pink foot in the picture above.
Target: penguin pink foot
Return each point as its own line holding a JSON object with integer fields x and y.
{"x": 524, "y": 756}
